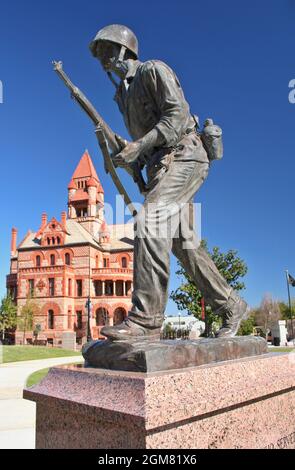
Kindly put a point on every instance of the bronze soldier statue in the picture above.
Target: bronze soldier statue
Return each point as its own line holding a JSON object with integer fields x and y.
{"x": 166, "y": 142}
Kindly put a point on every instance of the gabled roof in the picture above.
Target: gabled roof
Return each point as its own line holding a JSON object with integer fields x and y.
{"x": 121, "y": 236}
{"x": 85, "y": 168}
{"x": 48, "y": 229}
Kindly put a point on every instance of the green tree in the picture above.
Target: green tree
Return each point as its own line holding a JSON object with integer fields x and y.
{"x": 26, "y": 317}
{"x": 188, "y": 297}
{"x": 36, "y": 331}
{"x": 247, "y": 326}
{"x": 8, "y": 311}
{"x": 285, "y": 310}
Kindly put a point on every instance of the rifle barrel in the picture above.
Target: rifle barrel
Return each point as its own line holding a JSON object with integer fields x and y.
{"x": 88, "y": 107}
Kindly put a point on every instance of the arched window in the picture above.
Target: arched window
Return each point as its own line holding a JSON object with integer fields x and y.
{"x": 52, "y": 260}
{"x": 50, "y": 320}
{"x": 68, "y": 259}
{"x": 119, "y": 315}
{"x": 102, "y": 317}
{"x": 48, "y": 241}
{"x": 124, "y": 262}
{"x": 53, "y": 241}
{"x": 38, "y": 261}
{"x": 58, "y": 240}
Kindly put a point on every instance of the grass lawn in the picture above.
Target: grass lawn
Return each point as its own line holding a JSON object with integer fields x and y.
{"x": 28, "y": 353}
{"x": 36, "y": 377}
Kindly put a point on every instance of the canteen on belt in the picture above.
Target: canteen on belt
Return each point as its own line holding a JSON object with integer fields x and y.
{"x": 212, "y": 140}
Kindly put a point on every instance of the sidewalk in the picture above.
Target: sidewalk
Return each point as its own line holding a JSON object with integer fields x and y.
{"x": 17, "y": 423}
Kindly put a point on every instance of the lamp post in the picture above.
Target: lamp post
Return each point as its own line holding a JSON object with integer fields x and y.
{"x": 290, "y": 305}
{"x": 88, "y": 302}
{"x": 88, "y": 306}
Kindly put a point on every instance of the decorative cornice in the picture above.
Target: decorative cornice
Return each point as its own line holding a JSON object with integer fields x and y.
{"x": 112, "y": 271}
{"x": 44, "y": 269}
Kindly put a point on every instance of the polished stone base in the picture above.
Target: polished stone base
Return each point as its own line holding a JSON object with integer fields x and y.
{"x": 152, "y": 356}
{"x": 244, "y": 403}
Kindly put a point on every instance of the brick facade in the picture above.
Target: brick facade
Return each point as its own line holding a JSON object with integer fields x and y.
{"x": 68, "y": 261}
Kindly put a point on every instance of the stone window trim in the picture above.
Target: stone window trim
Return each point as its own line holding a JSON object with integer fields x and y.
{"x": 79, "y": 287}
{"x": 50, "y": 319}
{"x": 79, "y": 317}
{"x": 68, "y": 259}
{"x": 31, "y": 287}
{"x": 50, "y": 253}
{"x": 51, "y": 286}
{"x": 39, "y": 255}
{"x": 105, "y": 262}
{"x": 120, "y": 259}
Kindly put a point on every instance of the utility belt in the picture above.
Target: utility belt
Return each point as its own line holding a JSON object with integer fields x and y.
{"x": 152, "y": 156}
{"x": 157, "y": 163}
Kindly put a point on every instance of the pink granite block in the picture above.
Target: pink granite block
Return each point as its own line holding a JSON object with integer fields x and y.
{"x": 244, "y": 403}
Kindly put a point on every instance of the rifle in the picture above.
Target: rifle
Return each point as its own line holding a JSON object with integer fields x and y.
{"x": 107, "y": 139}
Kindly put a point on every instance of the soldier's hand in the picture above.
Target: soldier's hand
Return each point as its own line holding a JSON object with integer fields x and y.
{"x": 128, "y": 155}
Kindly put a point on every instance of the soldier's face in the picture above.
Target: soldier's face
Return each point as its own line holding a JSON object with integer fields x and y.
{"x": 108, "y": 54}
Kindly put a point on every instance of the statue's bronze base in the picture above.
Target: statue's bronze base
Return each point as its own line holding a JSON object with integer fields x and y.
{"x": 153, "y": 356}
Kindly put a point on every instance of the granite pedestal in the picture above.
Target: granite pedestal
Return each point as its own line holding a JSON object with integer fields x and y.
{"x": 241, "y": 403}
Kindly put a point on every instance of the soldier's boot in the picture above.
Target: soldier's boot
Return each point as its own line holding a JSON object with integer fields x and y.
{"x": 232, "y": 313}
{"x": 129, "y": 330}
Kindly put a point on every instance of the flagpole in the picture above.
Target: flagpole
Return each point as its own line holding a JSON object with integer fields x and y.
{"x": 290, "y": 306}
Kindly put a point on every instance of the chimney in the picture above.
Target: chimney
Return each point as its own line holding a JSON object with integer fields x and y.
{"x": 13, "y": 241}
{"x": 44, "y": 220}
{"x": 64, "y": 220}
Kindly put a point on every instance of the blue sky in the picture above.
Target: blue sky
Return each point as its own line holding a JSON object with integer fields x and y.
{"x": 234, "y": 60}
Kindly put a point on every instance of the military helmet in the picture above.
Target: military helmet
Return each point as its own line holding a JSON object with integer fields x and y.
{"x": 118, "y": 34}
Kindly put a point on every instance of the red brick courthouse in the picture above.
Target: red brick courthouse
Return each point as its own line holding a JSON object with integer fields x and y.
{"x": 66, "y": 261}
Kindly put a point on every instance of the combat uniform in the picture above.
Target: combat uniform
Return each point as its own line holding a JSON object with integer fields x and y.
{"x": 149, "y": 98}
